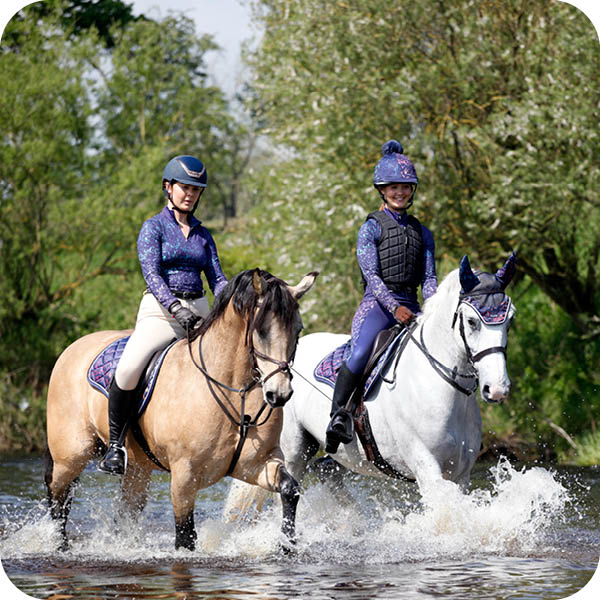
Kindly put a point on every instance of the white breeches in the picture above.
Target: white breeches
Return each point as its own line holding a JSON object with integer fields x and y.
{"x": 154, "y": 329}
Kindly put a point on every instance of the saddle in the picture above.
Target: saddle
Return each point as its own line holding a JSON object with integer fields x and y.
{"x": 383, "y": 350}
{"x": 389, "y": 343}
{"x": 101, "y": 373}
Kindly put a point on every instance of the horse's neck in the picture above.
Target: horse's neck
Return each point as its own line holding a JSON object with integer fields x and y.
{"x": 436, "y": 329}
{"x": 226, "y": 354}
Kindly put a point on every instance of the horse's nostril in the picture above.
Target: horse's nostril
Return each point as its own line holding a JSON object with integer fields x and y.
{"x": 275, "y": 399}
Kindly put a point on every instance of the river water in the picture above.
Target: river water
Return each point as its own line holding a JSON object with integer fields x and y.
{"x": 522, "y": 532}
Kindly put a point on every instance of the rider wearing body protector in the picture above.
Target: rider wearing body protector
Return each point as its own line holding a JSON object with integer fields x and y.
{"x": 396, "y": 254}
{"x": 174, "y": 249}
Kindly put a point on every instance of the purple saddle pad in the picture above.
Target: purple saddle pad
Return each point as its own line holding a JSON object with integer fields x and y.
{"x": 326, "y": 371}
{"x": 103, "y": 368}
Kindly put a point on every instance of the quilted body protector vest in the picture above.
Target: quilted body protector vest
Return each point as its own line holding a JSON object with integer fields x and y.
{"x": 401, "y": 253}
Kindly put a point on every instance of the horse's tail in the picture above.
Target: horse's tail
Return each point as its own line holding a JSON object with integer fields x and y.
{"x": 244, "y": 501}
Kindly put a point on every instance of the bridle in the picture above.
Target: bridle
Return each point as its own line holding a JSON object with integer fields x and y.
{"x": 245, "y": 422}
{"x": 451, "y": 375}
{"x": 283, "y": 366}
{"x": 473, "y": 358}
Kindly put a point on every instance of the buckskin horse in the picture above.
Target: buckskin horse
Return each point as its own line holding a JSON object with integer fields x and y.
{"x": 211, "y": 413}
{"x": 420, "y": 420}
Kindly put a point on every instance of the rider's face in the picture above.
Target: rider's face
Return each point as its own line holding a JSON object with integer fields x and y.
{"x": 397, "y": 195}
{"x": 183, "y": 196}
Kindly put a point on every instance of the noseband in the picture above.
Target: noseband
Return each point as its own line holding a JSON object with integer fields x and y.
{"x": 283, "y": 366}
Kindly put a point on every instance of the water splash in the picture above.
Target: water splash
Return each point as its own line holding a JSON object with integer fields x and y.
{"x": 512, "y": 514}
{"x": 513, "y": 517}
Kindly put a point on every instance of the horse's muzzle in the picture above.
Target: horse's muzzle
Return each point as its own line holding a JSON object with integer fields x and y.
{"x": 277, "y": 399}
{"x": 495, "y": 394}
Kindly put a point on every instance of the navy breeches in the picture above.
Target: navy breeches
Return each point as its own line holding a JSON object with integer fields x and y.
{"x": 375, "y": 320}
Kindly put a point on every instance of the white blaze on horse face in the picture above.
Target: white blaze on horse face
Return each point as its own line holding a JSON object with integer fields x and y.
{"x": 494, "y": 383}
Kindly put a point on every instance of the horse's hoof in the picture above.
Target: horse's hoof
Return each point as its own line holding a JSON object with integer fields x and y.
{"x": 191, "y": 547}
{"x": 288, "y": 548}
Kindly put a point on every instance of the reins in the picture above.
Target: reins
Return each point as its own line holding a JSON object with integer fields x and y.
{"x": 448, "y": 375}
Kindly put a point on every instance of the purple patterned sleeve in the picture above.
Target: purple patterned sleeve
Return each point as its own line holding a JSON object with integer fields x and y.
{"x": 214, "y": 274}
{"x": 150, "y": 256}
{"x": 368, "y": 260}
{"x": 172, "y": 262}
{"x": 429, "y": 282}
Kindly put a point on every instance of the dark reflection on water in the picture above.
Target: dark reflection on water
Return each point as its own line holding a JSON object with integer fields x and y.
{"x": 343, "y": 555}
{"x": 489, "y": 578}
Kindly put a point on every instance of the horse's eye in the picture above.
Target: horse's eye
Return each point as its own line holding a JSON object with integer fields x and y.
{"x": 473, "y": 322}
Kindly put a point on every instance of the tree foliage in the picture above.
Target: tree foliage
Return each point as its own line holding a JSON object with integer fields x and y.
{"x": 496, "y": 101}
{"x": 86, "y": 133}
{"x": 77, "y": 17}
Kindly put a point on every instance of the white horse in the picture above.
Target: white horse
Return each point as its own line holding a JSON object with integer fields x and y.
{"x": 423, "y": 411}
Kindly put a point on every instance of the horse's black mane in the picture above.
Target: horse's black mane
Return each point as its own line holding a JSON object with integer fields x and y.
{"x": 276, "y": 298}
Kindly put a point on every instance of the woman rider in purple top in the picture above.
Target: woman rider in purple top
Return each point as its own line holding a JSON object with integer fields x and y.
{"x": 173, "y": 249}
{"x": 396, "y": 255}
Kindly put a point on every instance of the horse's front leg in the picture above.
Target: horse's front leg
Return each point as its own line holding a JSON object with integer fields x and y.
{"x": 289, "y": 489}
{"x": 276, "y": 478}
{"x": 183, "y": 493}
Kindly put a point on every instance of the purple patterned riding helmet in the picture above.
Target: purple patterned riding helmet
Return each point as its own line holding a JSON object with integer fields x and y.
{"x": 394, "y": 167}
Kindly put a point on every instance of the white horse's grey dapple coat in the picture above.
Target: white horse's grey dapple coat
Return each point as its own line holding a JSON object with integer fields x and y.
{"x": 426, "y": 420}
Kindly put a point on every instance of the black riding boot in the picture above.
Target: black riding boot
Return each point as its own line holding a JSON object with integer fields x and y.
{"x": 341, "y": 426}
{"x": 119, "y": 410}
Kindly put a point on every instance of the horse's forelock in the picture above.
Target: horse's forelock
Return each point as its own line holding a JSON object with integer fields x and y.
{"x": 240, "y": 292}
{"x": 277, "y": 298}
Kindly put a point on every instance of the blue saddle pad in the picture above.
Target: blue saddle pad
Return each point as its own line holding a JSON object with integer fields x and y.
{"x": 326, "y": 371}
{"x": 103, "y": 368}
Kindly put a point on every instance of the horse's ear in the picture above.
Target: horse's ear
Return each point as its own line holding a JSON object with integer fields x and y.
{"x": 257, "y": 283}
{"x": 468, "y": 279}
{"x": 505, "y": 274}
{"x": 305, "y": 284}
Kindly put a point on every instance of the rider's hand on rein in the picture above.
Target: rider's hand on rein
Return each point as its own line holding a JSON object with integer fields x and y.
{"x": 404, "y": 315}
{"x": 184, "y": 316}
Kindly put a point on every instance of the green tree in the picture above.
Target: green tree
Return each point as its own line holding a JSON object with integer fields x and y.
{"x": 77, "y": 17}
{"x": 86, "y": 134}
{"x": 44, "y": 122}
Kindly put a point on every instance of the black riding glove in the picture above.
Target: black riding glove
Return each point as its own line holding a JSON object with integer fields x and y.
{"x": 184, "y": 316}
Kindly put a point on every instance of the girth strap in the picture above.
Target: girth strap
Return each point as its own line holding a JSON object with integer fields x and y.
{"x": 138, "y": 435}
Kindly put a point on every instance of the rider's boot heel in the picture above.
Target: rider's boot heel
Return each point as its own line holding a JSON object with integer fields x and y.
{"x": 341, "y": 426}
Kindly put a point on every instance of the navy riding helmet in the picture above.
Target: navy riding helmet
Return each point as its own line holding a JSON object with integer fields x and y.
{"x": 188, "y": 170}
{"x": 395, "y": 167}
